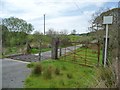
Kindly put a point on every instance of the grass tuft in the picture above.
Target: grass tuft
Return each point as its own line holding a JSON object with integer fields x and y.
{"x": 69, "y": 75}
{"x": 37, "y": 70}
{"x": 48, "y": 72}
{"x": 57, "y": 71}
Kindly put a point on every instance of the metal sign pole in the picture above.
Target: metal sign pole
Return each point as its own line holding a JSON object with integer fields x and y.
{"x": 106, "y": 20}
{"x": 106, "y": 42}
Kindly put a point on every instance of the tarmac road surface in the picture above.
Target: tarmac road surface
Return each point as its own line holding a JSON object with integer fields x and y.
{"x": 14, "y": 73}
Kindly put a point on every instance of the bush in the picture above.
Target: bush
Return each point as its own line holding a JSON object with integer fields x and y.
{"x": 37, "y": 69}
{"x": 48, "y": 73}
{"x": 57, "y": 71}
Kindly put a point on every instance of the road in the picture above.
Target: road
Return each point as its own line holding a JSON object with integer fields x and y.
{"x": 46, "y": 55}
{"x": 14, "y": 72}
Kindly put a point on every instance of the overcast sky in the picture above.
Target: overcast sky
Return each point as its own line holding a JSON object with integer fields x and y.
{"x": 60, "y": 14}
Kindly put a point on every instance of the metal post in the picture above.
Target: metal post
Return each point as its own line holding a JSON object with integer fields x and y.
{"x": 104, "y": 50}
{"x": 106, "y": 42}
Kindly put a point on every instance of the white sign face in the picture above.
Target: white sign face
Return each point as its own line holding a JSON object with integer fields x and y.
{"x": 107, "y": 19}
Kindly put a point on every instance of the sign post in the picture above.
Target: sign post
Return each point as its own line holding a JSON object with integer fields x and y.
{"x": 106, "y": 20}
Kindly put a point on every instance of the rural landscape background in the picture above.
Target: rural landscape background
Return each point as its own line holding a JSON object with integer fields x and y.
{"x": 59, "y": 44}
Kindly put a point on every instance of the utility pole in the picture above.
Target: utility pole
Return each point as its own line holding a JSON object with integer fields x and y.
{"x": 44, "y": 24}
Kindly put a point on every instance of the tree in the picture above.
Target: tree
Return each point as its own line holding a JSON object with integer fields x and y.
{"x": 51, "y": 32}
{"x": 14, "y": 31}
{"x": 73, "y": 32}
{"x": 17, "y": 25}
{"x": 38, "y": 36}
{"x": 5, "y": 35}
{"x": 96, "y": 19}
{"x": 63, "y": 32}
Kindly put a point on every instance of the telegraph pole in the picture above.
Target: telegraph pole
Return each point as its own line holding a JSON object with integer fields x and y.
{"x": 44, "y": 24}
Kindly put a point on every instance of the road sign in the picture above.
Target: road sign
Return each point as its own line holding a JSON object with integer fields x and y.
{"x": 107, "y": 19}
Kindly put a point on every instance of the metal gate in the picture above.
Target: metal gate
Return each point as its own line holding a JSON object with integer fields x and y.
{"x": 86, "y": 54}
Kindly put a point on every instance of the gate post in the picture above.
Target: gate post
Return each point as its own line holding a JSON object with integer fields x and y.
{"x": 60, "y": 49}
{"x": 40, "y": 43}
{"x": 55, "y": 42}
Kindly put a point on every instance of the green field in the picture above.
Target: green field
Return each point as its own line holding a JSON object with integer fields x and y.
{"x": 80, "y": 38}
{"x": 70, "y": 74}
{"x": 34, "y": 51}
{"x": 16, "y": 50}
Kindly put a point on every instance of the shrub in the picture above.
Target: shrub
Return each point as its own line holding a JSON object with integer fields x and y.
{"x": 57, "y": 71}
{"x": 37, "y": 69}
{"x": 48, "y": 73}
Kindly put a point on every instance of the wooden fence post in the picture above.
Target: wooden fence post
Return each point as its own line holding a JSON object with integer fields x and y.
{"x": 60, "y": 49}
{"x": 98, "y": 44}
{"x": 40, "y": 50}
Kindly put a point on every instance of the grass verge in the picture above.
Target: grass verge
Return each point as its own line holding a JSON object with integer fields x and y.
{"x": 69, "y": 75}
{"x": 63, "y": 73}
